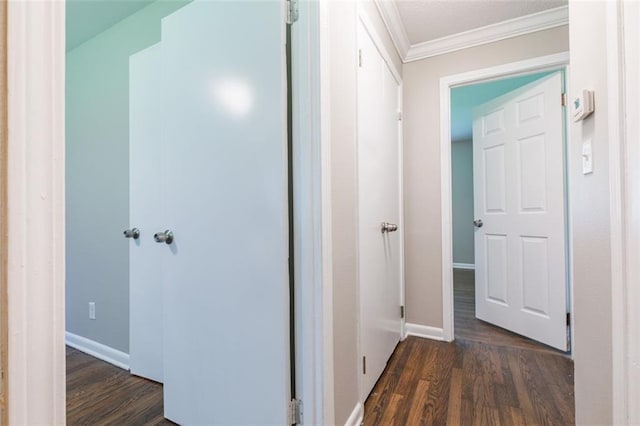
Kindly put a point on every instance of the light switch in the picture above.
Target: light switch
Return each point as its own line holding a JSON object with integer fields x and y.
{"x": 587, "y": 158}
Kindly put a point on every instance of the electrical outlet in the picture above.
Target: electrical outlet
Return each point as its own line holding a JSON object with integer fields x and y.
{"x": 92, "y": 310}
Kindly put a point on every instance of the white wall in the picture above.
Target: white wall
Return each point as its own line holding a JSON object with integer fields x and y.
{"x": 589, "y": 198}
{"x": 97, "y": 175}
{"x": 422, "y": 121}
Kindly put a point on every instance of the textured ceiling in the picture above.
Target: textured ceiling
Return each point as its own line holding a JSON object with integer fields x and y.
{"x": 88, "y": 18}
{"x": 426, "y": 20}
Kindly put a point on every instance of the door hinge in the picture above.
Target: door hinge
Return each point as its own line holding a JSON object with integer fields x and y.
{"x": 364, "y": 365}
{"x": 568, "y": 318}
{"x": 360, "y": 58}
{"x": 399, "y": 115}
{"x": 402, "y": 311}
{"x": 295, "y": 412}
{"x": 292, "y": 11}
{"x": 564, "y": 99}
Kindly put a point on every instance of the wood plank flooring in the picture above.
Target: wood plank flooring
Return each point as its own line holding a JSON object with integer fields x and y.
{"x": 99, "y": 393}
{"x": 488, "y": 376}
{"x": 467, "y": 327}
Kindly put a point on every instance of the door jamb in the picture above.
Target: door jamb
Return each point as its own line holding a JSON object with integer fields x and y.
{"x": 623, "y": 61}
{"x": 539, "y": 64}
{"x": 35, "y": 180}
{"x": 312, "y": 213}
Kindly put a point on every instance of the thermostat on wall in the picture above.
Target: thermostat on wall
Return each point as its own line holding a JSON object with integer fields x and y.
{"x": 582, "y": 105}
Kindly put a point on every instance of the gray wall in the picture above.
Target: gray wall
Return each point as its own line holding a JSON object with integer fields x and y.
{"x": 423, "y": 242}
{"x": 589, "y": 205}
{"x": 462, "y": 201}
{"x": 97, "y": 175}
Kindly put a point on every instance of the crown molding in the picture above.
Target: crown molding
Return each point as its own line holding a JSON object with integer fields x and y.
{"x": 393, "y": 22}
{"x": 495, "y": 32}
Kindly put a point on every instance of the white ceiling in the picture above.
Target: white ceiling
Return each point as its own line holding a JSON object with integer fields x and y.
{"x": 426, "y": 20}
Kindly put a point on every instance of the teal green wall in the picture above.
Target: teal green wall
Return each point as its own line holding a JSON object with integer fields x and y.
{"x": 465, "y": 99}
{"x": 462, "y": 201}
{"x": 97, "y": 174}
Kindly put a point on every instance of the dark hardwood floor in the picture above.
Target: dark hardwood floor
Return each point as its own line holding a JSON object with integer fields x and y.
{"x": 488, "y": 376}
{"x": 99, "y": 393}
{"x": 467, "y": 327}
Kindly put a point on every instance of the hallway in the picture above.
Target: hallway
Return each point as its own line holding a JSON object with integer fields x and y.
{"x": 487, "y": 376}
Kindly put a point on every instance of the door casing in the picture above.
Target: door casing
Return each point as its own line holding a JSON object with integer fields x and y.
{"x": 558, "y": 61}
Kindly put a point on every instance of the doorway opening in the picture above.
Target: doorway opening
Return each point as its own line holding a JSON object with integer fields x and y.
{"x": 466, "y": 175}
{"x": 534, "y": 66}
{"x": 191, "y": 155}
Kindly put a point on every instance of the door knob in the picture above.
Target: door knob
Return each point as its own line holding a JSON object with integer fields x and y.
{"x": 132, "y": 233}
{"x": 164, "y": 237}
{"x": 388, "y": 227}
{"x": 478, "y": 223}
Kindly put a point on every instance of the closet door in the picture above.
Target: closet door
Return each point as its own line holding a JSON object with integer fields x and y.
{"x": 145, "y": 204}
{"x": 379, "y": 221}
{"x": 226, "y": 312}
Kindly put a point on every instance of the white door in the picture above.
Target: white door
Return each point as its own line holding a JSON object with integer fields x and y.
{"x": 145, "y": 207}
{"x": 378, "y": 202}
{"x": 226, "y": 311}
{"x": 519, "y": 196}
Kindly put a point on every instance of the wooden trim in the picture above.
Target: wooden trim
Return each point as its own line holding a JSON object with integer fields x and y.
{"x": 98, "y": 350}
{"x": 326, "y": 223}
{"x": 516, "y": 27}
{"x": 357, "y": 415}
{"x": 424, "y": 331}
{"x": 3, "y": 215}
{"x": 615, "y": 104}
{"x": 35, "y": 192}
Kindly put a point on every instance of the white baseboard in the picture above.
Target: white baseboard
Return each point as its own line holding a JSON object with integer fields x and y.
{"x": 98, "y": 350}
{"x": 357, "y": 416}
{"x": 463, "y": 265}
{"x": 424, "y": 331}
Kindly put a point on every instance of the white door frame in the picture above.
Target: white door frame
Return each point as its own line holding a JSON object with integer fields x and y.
{"x": 623, "y": 64}
{"x": 36, "y": 185}
{"x": 544, "y": 63}
{"x": 36, "y": 263}
{"x": 386, "y": 56}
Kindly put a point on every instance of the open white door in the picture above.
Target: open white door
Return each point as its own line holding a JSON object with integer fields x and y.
{"x": 145, "y": 209}
{"x": 378, "y": 203}
{"x": 519, "y": 196}
{"x": 226, "y": 311}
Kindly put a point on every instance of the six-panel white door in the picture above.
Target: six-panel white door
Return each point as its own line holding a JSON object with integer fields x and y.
{"x": 378, "y": 202}
{"x": 226, "y": 311}
{"x": 519, "y": 197}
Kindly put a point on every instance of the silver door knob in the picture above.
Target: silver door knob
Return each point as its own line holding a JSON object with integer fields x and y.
{"x": 164, "y": 237}
{"x": 388, "y": 227}
{"x": 132, "y": 233}
{"x": 478, "y": 223}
